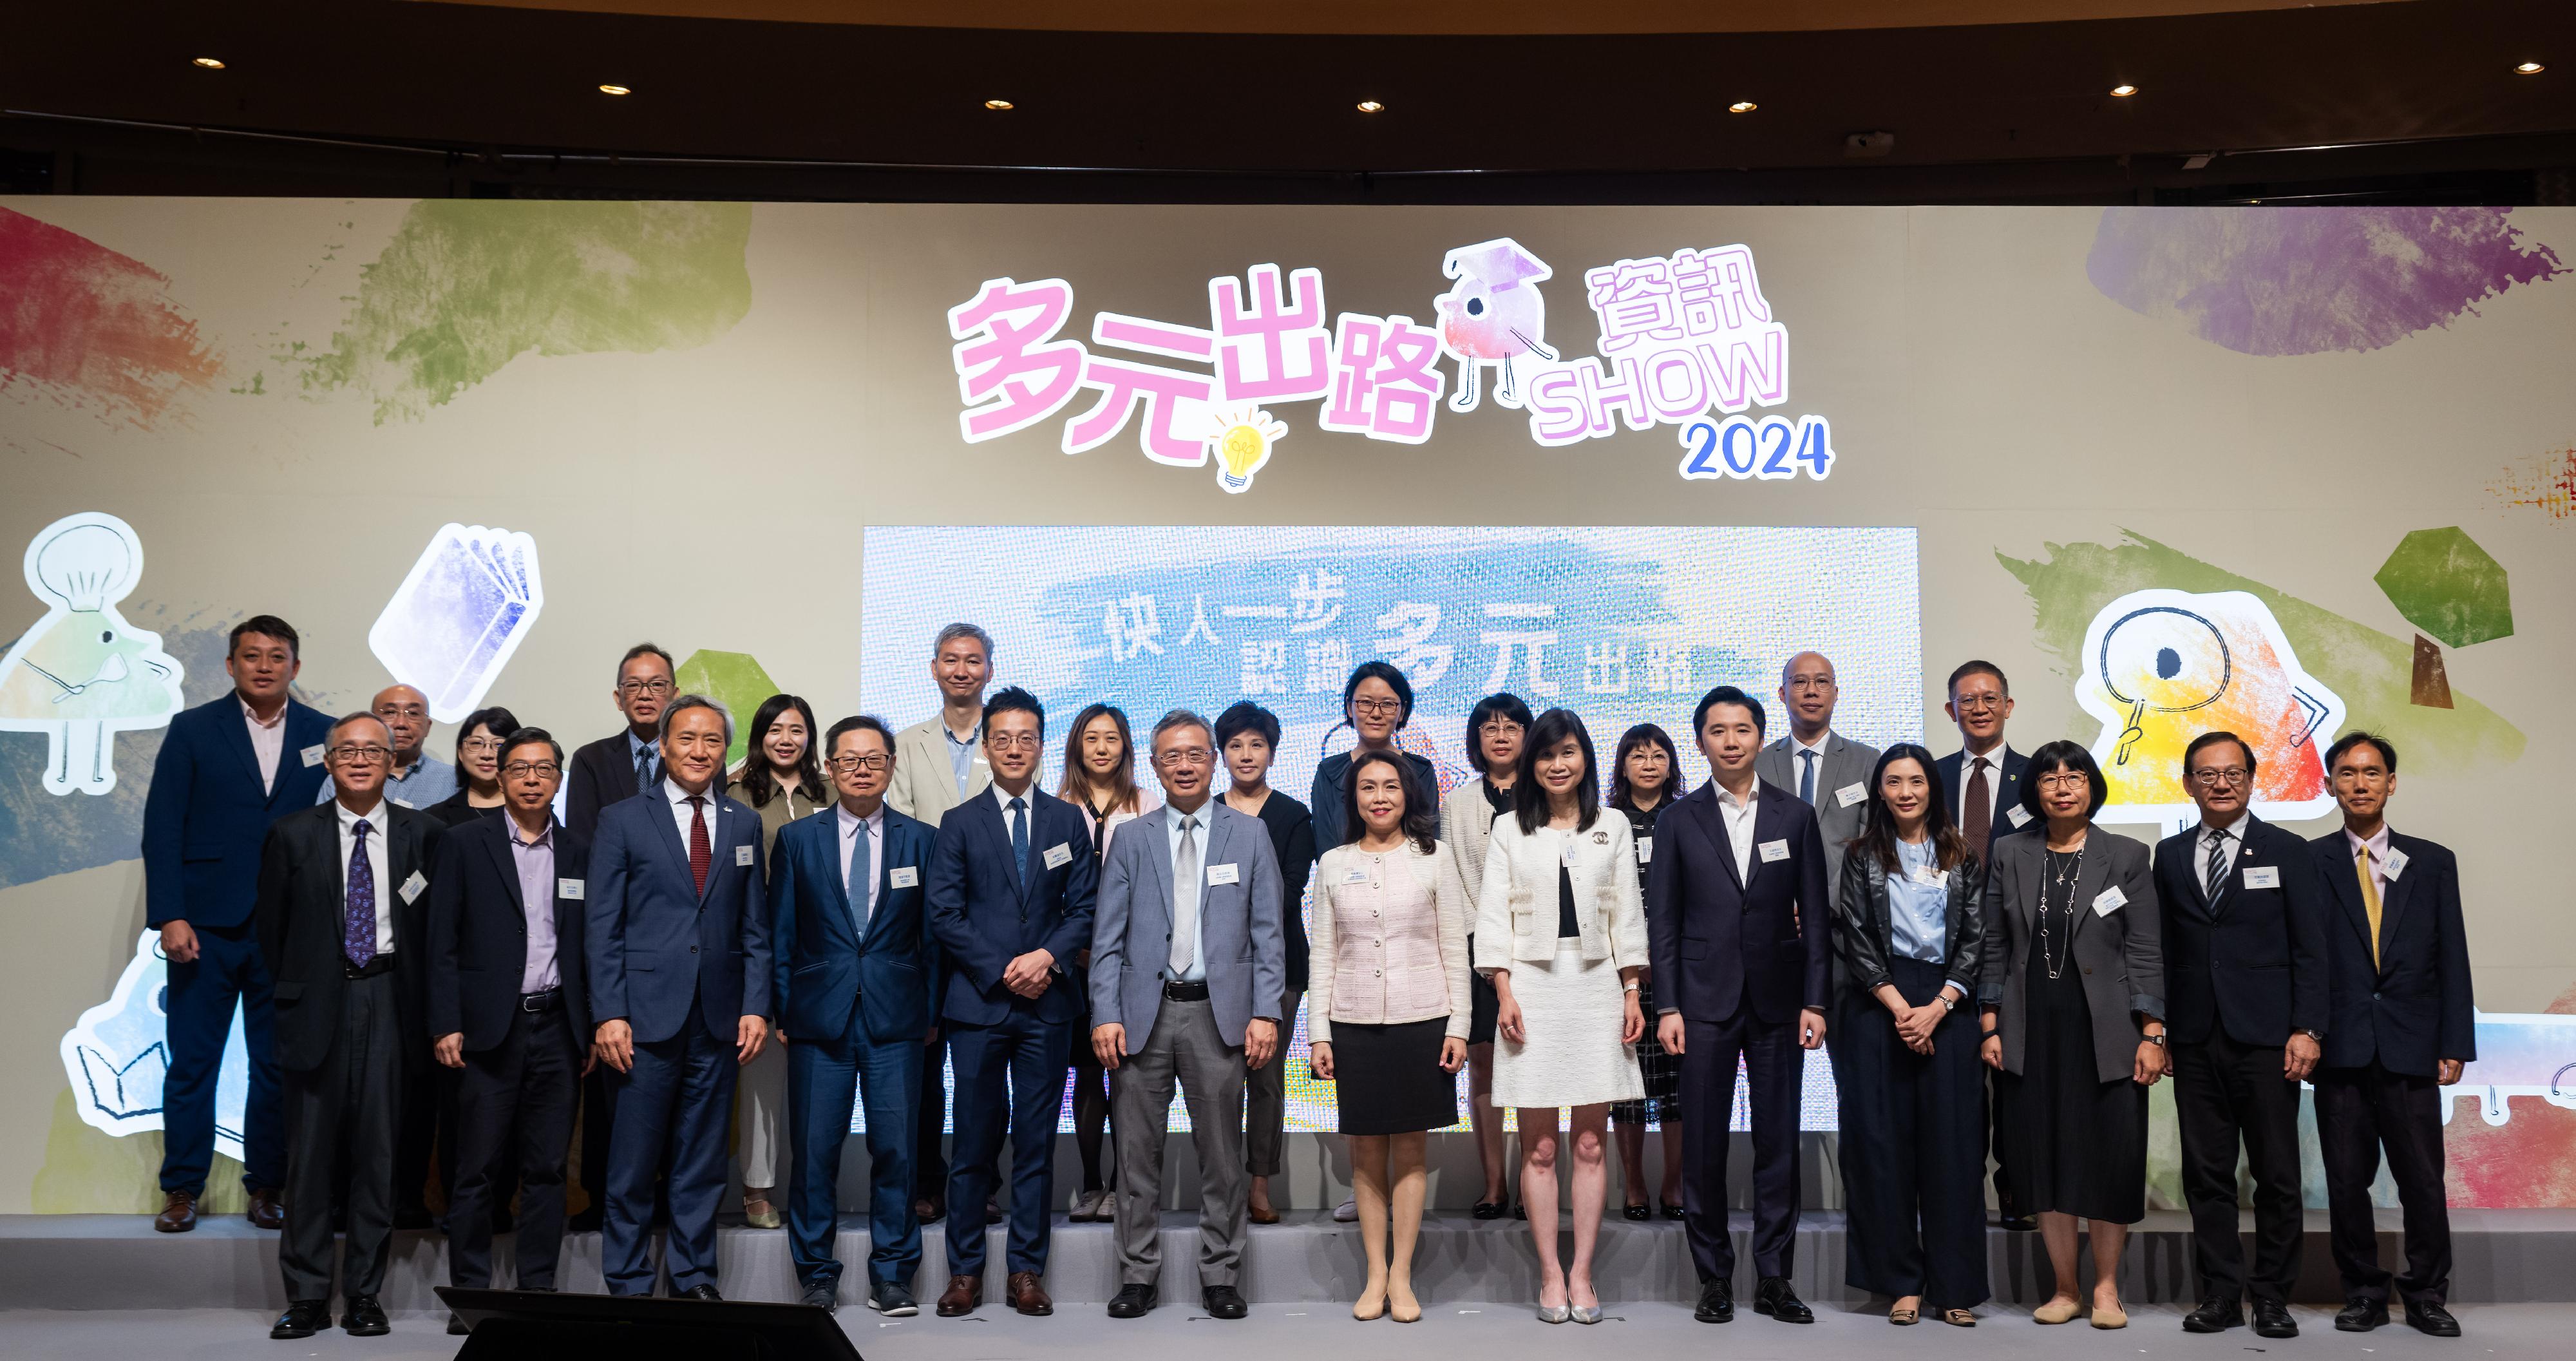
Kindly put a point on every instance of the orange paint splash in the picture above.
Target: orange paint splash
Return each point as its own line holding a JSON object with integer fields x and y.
{"x": 87, "y": 327}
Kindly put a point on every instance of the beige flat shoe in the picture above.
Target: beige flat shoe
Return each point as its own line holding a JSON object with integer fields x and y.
{"x": 2113, "y": 1317}
{"x": 1958, "y": 1318}
{"x": 1370, "y": 1307}
{"x": 1403, "y": 1308}
{"x": 759, "y": 1213}
{"x": 2056, "y": 1311}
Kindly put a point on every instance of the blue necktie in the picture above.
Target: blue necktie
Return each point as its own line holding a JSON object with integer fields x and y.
{"x": 643, "y": 770}
{"x": 1020, "y": 837}
{"x": 861, "y": 875}
{"x": 1807, "y": 776}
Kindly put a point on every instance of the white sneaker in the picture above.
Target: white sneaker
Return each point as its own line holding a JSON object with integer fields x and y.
{"x": 1346, "y": 1212}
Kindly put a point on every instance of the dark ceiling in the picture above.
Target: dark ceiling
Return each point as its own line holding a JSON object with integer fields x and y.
{"x": 2405, "y": 99}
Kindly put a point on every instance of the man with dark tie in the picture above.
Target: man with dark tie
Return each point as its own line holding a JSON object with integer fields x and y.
{"x": 1738, "y": 929}
{"x": 603, "y": 772}
{"x": 1187, "y": 957}
{"x": 1826, "y": 770}
{"x": 341, "y": 916}
{"x": 506, "y": 1011}
{"x": 227, "y": 769}
{"x": 678, "y": 940}
{"x": 2401, "y": 1026}
{"x": 2244, "y": 914}
{"x": 1984, "y": 780}
{"x": 852, "y": 992}
{"x": 1010, "y": 899}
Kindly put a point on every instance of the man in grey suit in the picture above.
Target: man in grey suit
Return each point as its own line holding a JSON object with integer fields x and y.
{"x": 1825, "y": 769}
{"x": 1185, "y": 944}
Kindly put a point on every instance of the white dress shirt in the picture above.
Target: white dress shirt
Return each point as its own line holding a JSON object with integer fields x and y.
{"x": 2231, "y": 836}
{"x": 268, "y": 743}
{"x": 680, "y": 811}
{"x": 386, "y": 888}
{"x": 1739, "y": 826}
{"x": 852, "y": 828}
{"x": 1188, "y": 893}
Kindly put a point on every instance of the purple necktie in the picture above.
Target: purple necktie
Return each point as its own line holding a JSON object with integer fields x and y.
{"x": 358, "y": 933}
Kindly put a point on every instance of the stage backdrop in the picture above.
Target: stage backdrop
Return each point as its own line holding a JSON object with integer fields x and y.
{"x": 2281, "y": 468}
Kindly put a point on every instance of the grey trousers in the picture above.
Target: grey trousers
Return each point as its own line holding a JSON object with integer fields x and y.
{"x": 340, "y": 1122}
{"x": 1185, "y": 1047}
{"x": 1265, "y": 1113}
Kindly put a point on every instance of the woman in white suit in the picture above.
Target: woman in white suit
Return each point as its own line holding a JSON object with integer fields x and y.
{"x": 1561, "y": 930}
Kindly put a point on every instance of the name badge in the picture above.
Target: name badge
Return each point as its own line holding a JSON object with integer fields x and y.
{"x": 312, "y": 755}
{"x": 568, "y": 888}
{"x": 1058, "y": 856}
{"x": 1565, "y": 855}
{"x": 1355, "y": 876}
{"x": 2109, "y": 900}
{"x": 2394, "y": 865}
{"x": 904, "y": 876}
{"x": 742, "y": 855}
{"x": 1645, "y": 850}
{"x": 1932, "y": 878}
{"x": 2017, "y": 815}
{"x": 412, "y": 886}
{"x": 1774, "y": 850}
{"x": 1850, "y": 794}
{"x": 403, "y": 803}
{"x": 1225, "y": 874}
{"x": 2262, "y": 876}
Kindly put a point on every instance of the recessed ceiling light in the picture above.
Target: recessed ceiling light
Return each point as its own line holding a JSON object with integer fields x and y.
{"x": 2529, "y": 68}
{"x": 2123, "y": 91}
{"x": 1000, "y": 105}
{"x": 1371, "y": 106}
{"x": 615, "y": 90}
{"x": 1742, "y": 106}
{"x": 210, "y": 63}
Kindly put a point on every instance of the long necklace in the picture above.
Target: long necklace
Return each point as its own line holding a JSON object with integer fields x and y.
{"x": 2064, "y": 882}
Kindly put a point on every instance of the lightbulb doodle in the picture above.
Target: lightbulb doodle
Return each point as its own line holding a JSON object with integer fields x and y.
{"x": 81, "y": 674}
{"x": 1241, "y": 445}
{"x": 454, "y": 622}
{"x": 2161, "y": 667}
{"x": 118, "y": 1054}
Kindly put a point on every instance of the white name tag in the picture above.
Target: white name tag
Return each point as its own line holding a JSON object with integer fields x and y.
{"x": 2109, "y": 900}
{"x": 568, "y": 888}
{"x": 742, "y": 855}
{"x": 2262, "y": 876}
{"x": 404, "y": 803}
{"x": 2395, "y": 864}
{"x": 904, "y": 876}
{"x": 2017, "y": 815}
{"x": 1645, "y": 850}
{"x": 412, "y": 886}
{"x": 1355, "y": 876}
{"x": 1058, "y": 856}
{"x": 1774, "y": 850}
{"x": 1565, "y": 855}
{"x": 1224, "y": 874}
{"x": 312, "y": 755}
{"x": 1932, "y": 878}
{"x": 1850, "y": 794}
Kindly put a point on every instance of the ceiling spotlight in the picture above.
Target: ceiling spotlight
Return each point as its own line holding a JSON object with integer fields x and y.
{"x": 615, "y": 90}
{"x": 1371, "y": 106}
{"x": 2123, "y": 91}
{"x": 2529, "y": 68}
{"x": 1742, "y": 106}
{"x": 216, "y": 63}
{"x": 999, "y": 105}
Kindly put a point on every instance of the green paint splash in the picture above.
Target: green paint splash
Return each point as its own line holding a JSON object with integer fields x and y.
{"x": 2371, "y": 670}
{"x": 465, "y": 287}
{"x": 736, "y": 681}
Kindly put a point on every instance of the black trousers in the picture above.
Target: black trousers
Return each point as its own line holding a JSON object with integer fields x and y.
{"x": 514, "y": 1118}
{"x": 1913, "y": 1148}
{"x": 1775, "y": 1068}
{"x": 598, "y": 1116}
{"x": 2226, "y": 1093}
{"x": 340, "y": 1119}
{"x": 929, "y": 1168}
{"x": 2361, "y": 1113}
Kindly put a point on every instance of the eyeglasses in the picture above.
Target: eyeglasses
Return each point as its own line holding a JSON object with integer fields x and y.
{"x": 1184, "y": 756}
{"x": 2066, "y": 779}
{"x": 1500, "y": 726}
{"x": 2215, "y": 778}
{"x": 644, "y": 687}
{"x": 401, "y": 711}
{"x": 480, "y": 744}
{"x": 1977, "y": 704}
{"x": 518, "y": 769}
{"x": 1377, "y": 707}
{"x": 1002, "y": 741}
{"x": 362, "y": 755}
{"x": 852, "y": 764}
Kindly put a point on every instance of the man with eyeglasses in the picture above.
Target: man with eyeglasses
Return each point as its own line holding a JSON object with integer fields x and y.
{"x": 342, "y": 919}
{"x": 1826, "y": 770}
{"x": 2244, "y": 914}
{"x": 418, "y": 779}
{"x": 1983, "y": 779}
{"x": 1010, "y": 899}
{"x": 1187, "y": 963}
{"x": 853, "y": 985}
{"x": 507, "y": 1011}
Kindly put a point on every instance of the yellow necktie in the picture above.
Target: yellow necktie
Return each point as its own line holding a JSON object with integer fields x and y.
{"x": 2369, "y": 901}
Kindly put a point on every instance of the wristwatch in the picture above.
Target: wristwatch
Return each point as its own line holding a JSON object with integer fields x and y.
{"x": 1948, "y": 1004}
{"x": 2157, "y": 1039}
{"x": 2317, "y": 1035}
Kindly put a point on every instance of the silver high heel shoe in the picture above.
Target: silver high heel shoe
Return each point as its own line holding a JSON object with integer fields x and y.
{"x": 1554, "y": 1313}
{"x": 1586, "y": 1313}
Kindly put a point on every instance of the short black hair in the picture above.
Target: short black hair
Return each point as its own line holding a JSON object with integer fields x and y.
{"x": 2053, "y": 757}
{"x": 2213, "y": 738}
{"x": 1244, "y": 716}
{"x": 1724, "y": 694}
{"x": 648, "y": 650}
{"x": 270, "y": 625}
{"x": 1502, "y": 705}
{"x": 1529, "y": 802}
{"x": 2356, "y": 738}
{"x": 1394, "y": 678}
{"x": 858, "y": 723}
{"x": 501, "y": 722}
{"x": 1011, "y": 697}
{"x": 1977, "y": 668}
{"x": 519, "y": 737}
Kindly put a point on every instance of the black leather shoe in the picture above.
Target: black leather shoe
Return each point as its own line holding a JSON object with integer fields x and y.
{"x": 456, "y": 1327}
{"x": 1133, "y": 1301}
{"x": 1487, "y": 1209}
{"x": 1772, "y": 1295}
{"x": 892, "y": 1300}
{"x": 2019, "y": 1223}
{"x": 365, "y": 1317}
{"x": 2215, "y": 1315}
{"x": 823, "y": 1295}
{"x": 2431, "y": 1319}
{"x": 2272, "y": 1319}
{"x": 303, "y": 1318}
{"x": 700, "y": 1292}
{"x": 1223, "y": 1301}
{"x": 2361, "y": 1314}
{"x": 1716, "y": 1302}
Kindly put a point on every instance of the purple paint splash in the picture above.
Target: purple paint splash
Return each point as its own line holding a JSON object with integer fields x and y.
{"x": 2276, "y": 281}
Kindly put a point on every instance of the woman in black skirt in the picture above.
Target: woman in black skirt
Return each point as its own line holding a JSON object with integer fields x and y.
{"x": 1388, "y": 1024}
{"x": 2074, "y": 1017}
{"x": 1644, "y": 780}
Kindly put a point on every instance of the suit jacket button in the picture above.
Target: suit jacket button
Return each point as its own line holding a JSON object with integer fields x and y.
{"x": 2088, "y": 973}
{"x": 693, "y": 950}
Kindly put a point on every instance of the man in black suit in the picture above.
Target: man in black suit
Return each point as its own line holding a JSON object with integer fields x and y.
{"x": 506, "y": 1010}
{"x": 1984, "y": 779}
{"x": 2245, "y": 1004}
{"x": 2401, "y": 1026}
{"x": 602, "y": 773}
{"x": 340, "y": 914}
{"x": 1738, "y": 931}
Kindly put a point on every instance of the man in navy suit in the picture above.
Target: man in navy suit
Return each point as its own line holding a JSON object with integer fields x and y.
{"x": 678, "y": 940}
{"x": 2244, "y": 916}
{"x": 1984, "y": 780}
{"x": 853, "y": 987}
{"x": 1010, "y": 897}
{"x": 226, "y": 771}
{"x": 2401, "y": 1026}
{"x": 1738, "y": 930}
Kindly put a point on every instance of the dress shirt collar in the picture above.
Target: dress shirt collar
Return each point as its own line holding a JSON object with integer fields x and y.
{"x": 545, "y": 839}
{"x": 252, "y": 715}
{"x": 1726, "y": 797}
{"x": 679, "y": 798}
{"x": 850, "y": 823}
{"x": 1205, "y": 813}
{"x": 375, "y": 817}
{"x": 1818, "y": 746}
{"x": 2235, "y": 831}
{"x": 2376, "y": 844}
{"x": 1002, "y": 799}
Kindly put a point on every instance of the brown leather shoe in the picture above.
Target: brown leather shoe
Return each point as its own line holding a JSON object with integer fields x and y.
{"x": 961, "y": 1296}
{"x": 178, "y": 1215}
{"x": 266, "y": 1212}
{"x": 1024, "y": 1292}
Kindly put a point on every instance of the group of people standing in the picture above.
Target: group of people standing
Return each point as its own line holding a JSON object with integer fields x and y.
{"x": 433, "y": 968}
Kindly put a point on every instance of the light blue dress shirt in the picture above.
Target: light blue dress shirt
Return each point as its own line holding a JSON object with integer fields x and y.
{"x": 1918, "y": 914}
{"x": 429, "y": 781}
{"x": 961, "y": 756}
{"x": 1190, "y": 892}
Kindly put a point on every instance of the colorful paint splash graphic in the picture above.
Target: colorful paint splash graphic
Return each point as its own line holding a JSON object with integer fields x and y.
{"x": 2542, "y": 482}
{"x": 89, "y": 328}
{"x": 2285, "y": 281}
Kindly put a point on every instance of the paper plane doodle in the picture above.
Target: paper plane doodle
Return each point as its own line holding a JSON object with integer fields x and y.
{"x": 81, "y": 674}
{"x": 117, "y": 1054}
{"x": 453, "y": 623}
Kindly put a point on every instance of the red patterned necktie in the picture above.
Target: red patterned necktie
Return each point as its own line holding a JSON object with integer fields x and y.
{"x": 700, "y": 856}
